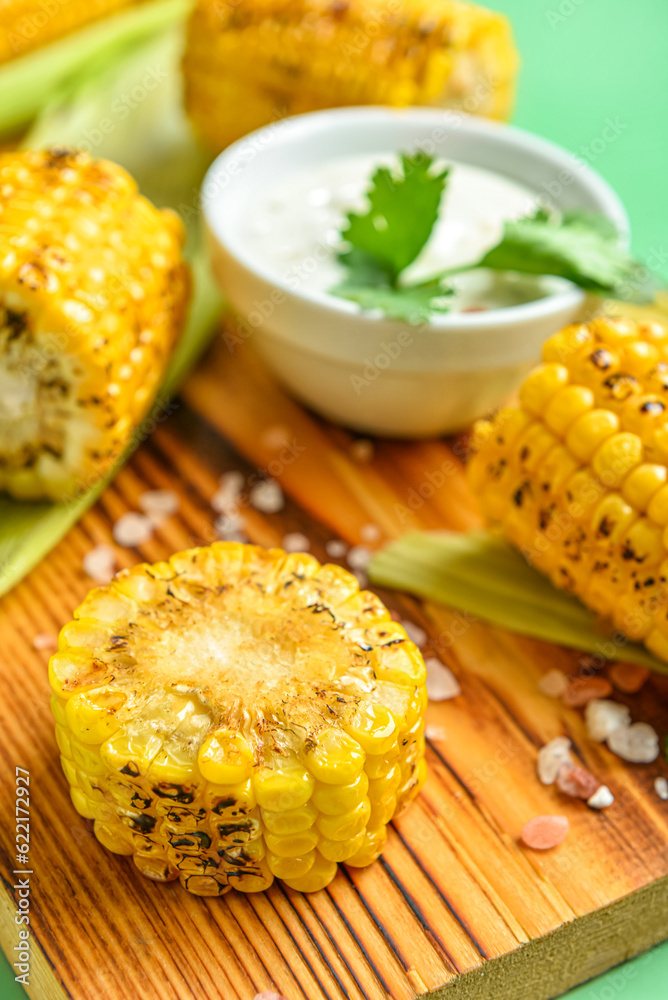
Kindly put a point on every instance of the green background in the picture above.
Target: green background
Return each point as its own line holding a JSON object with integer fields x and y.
{"x": 584, "y": 62}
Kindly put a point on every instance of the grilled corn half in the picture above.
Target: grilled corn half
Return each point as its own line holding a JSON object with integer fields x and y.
{"x": 251, "y": 62}
{"x": 93, "y": 290}
{"x": 236, "y": 715}
{"x": 577, "y": 474}
{"x": 28, "y": 24}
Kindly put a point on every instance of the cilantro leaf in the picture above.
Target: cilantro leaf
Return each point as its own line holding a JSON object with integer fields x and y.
{"x": 403, "y": 208}
{"x": 581, "y": 246}
{"x": 413, "y": 303}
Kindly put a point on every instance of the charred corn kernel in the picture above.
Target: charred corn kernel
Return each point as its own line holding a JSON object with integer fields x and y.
{"x": 530, "y": 448}
{"x": 222, "y": 729}
{"x": 284, "y": 54}
{"x": 566, "y": 406}
{"x": 594, "y": 509}
{"x": 291, "y": 821}
{"x": 225, "y": 758}
{"x": 287, "y": 868}
{"x": 28, "y": 24}
{"x": 589, "y": 431}
{"x": 91, "y": 277}
{"x": 642, "y": 483}
{"x": 319, "y": 875}
{"x": 541, "y": 386}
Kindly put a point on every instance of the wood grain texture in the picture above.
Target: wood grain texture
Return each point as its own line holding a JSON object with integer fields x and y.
{"x": 455, "y": 905}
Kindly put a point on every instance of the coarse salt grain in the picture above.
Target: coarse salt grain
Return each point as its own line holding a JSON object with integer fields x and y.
{"x": 226, "y": 496}
{"x": 553, "y": 683}
{"x": 661, "y": 788}
{"x": 414, "y": 632}
{"x": 577, "y": 782}
{"x": 268, "y": 995}
{"x": 295, "y": 541}
{"x": 552, "y": 757}
{"x": 267, "y": 497}
{"x": 582, "y": 690}
{"x": 441, "y": 682}
{"x": 159, "y": 504}
{"x": 639, "y": 743}
{"x": 336, "y": 548}
{"x": 601, "y": 799}
{"x": 602, "y": 716}
{"x": 100, "y": 563}
{"x": 44, "y": 640}
{"x": 435, "y": 733}
{"x": 628, "y": 677}
{"x": 132, "y": 529}
{"x": 370, "y": 533}
{"x": 358, "y": 557}
{"x": 543, "y": 832}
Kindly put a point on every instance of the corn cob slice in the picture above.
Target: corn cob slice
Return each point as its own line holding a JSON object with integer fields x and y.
{"x": 236, "y": 715}
{"x": 28, "y": 24}
{"x": 577, "y": 475}
{"x": 93, "y": 291}
{"x": 250, "y": 64}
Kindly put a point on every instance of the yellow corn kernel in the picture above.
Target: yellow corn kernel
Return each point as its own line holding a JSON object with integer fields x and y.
{"x": 564, "y": 346}
{"x": 567, "y": 406}
{"x": 347, "y": 825}
{"x": 336, "y": 799}
{"x": 541, "y": 385}
{"x": 640, "y": 357}
{"x": 319, "y": 875}
{"x": 643, "y": 544}
{"x": 156, "y": 868}
{"x": 287, "y": 868}
{"x": 400, "y": 664}
{"x": 58, "y": 709}
{"x": 114, "y": 837}
{"x": 291, "y": 820}
{"x": 87, "y": 757}
{"x": 616, "y": 457}
{"x": 531, "y": 447}
{"x": 374, "y": 727}
{"x": 173, "y": 764}
{"x": 372, "y": 848}
{"x": 286, "y": 785}
{"x": 383, "y": 788}
{"x": 225, "y": 758}
{"x": 340, "y": 850}
{"x": 642, "y": 483}
{"x": 133, "y": 753}
{"x": 337, "y": 759}
{"x": 293, "y": 846}
{"x": 657, "y": 508}
{"x": 92, "y": 715}
{"x": 81, "y": 803}
{"x": 382, "y": 812}
{"x": 556, "y": 469}
{"x": 589, "y": 431}
{"x": 69, "y": 770}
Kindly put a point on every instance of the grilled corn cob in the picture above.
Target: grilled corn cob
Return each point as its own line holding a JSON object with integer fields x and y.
{"x": 28, "y": 24}
{"x": 93, "y": 290}
{"x": 251, "y": 62}
{"x": 236, "y": 715}
{"x": 577, "y": 475}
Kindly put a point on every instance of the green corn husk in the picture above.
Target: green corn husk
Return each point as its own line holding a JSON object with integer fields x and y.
{"x": 155, "y": 144}
{"x": 481, "y": 574}
{"x": 28, "y": 83}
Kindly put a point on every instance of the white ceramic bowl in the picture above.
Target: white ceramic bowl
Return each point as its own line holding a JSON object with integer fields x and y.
{"x": 373, "y": 374}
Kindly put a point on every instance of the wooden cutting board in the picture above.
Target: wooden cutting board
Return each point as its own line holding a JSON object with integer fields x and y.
{"x": 455, "y": 905}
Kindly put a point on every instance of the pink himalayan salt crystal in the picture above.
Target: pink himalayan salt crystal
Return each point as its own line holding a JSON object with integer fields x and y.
{"x": 577, "y": 781}
{"x": 553, "y": 683}
{"x": 543, "y": 832}
{"x": 582, "y": 690}
{"x": 628, "y": 677}
{"x": 441, "y": 682}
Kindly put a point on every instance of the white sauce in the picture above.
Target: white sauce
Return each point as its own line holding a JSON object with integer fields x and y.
{"x": 293, "y": 229}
